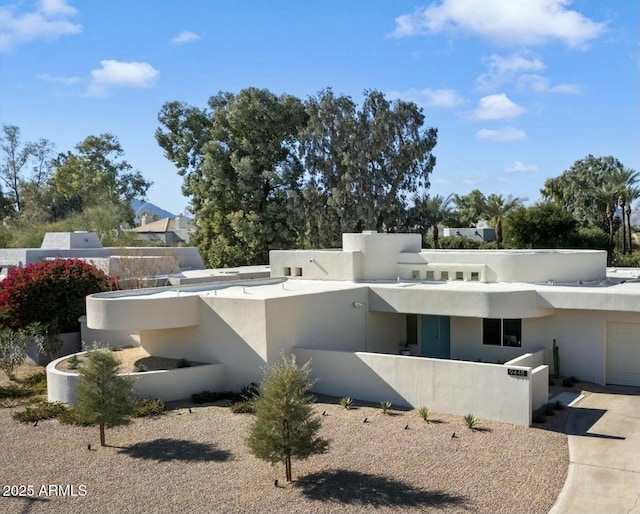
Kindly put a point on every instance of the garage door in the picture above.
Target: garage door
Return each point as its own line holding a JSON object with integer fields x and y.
{"x": 623, "y": 354}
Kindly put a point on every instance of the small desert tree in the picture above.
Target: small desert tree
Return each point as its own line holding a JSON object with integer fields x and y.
{"x": 14, "y": 345}
{"x": 285, "y": 426}
{"x": 104, "y": 398}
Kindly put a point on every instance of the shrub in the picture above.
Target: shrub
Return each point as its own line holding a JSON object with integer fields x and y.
{"x": 148, "y": 407}
{"x": 36, "y": 383}
{"x": 44, "y": 410}
{"x": 243, "y": 407}
{"x": 470, "y": 420}
{"x": 140, "y": 368}
{"x": 183, "y": 363}
{"x": 346, "y": 402}
{"x": 424, "y": 413}
{"x": 557, "y": 405}
{"x": 48, "y": 292}
{"x": 548, "y": 410}
{"x": 385, "y": 406}
{"x": 246, "y": 393}
{"x": 14, "y": 344}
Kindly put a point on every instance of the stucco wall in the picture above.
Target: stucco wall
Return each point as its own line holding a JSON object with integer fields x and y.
{"x": 165, "y": 385}
{"x": 526, "y": 265}
{"x": 123, "y": 311}
{"x": 232, "y": 331}
{"x": 380, "y": 252}
{"x": 467, "y": 301}
{"x": 454, "y": 387}
{"x": 580, "y": 336}
{"x": 315, "y": 264}
{"x": 333, "y": 320}
{"x": 108, "y": 338}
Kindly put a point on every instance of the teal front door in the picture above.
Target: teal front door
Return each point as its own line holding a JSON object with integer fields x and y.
{"x": 436, "y": 334}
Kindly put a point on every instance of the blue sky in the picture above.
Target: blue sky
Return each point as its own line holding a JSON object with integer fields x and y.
{"x": 518, "y": 89}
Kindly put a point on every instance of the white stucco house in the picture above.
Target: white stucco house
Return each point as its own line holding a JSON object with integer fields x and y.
{"x": 480, "y": 323}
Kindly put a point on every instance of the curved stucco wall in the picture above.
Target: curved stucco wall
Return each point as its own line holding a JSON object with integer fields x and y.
{"x": 109, "y": 311}
{"x": 523, "y": 265}
{"x": 432, "y": 299}
{"x": 166, "y": 385}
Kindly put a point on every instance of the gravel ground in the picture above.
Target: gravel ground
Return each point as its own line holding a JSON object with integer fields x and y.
{"x": 197, "y": 462}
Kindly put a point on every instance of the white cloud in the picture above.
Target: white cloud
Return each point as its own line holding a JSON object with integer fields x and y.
{"x": 445, "y": 98}
{"x": 50, "y": 20}
{"x": 501, "y": 135}
{"x": 519, "y": 167}
{"x": 185, "y": 37}
{"x": 504, "y": 69}
{"x": 67, "y": 81}
{"x": 121, "y": 74}
{"x": 497, "y": 107}
{"x": 541, "y": 84}
{"x": 508, "y": 22}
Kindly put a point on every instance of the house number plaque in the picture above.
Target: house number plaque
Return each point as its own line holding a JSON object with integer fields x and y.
{"x": 517, "y": 372}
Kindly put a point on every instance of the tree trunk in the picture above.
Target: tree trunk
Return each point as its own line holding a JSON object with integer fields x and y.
{"x": 609, "y": 214}
{"x": 287, "y": 462}
{"x": 499, "y": 230}
{"x": 102, "y": 440}
{"x": 434, "y": 230}
{"x": 621, "y": 203}
{"x": 628, "y": 209}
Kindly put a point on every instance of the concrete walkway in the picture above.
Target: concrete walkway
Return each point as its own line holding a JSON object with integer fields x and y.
{"x": 604, "y": 451}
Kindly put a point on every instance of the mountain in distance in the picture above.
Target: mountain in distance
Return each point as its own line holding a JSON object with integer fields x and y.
{"x": 140, "y": 206}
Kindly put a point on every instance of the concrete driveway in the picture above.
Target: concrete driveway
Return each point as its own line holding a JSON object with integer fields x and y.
{"x": 604, "y": 449}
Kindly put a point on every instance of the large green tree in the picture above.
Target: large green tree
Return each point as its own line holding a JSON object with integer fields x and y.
{"x": 285, "y": 426}
{"x": 363, "y": 163}
{"x": 543, "y": 225}
{"x": 24, "y": 168}
{"x": 243, "y": 174}
{"x": 265, "y": 172}
{"x": 575, "y": 189}
{"x": 469, "y": 209}
{"x": 95, "y": 174}
{"x": 103, "y": 397}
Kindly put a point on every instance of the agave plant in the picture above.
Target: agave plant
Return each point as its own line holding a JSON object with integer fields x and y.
{"x": 385, "y": 406}
{"x": 424, "y": 413}
{"x": 470, "y": 420}
{"x": 346, "y": 402}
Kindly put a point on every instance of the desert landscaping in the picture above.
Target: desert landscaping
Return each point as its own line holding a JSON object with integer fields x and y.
{"x": 194, "y": 459}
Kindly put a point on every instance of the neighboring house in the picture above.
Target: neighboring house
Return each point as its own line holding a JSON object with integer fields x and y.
{"x": 128, "y": 262}
{"x": 166, "y": 231}
{"x": 475, "y": 233}
{"x": 480, "y": 324}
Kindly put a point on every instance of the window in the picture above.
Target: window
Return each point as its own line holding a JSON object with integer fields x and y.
{"x": 502, "y": 332}
{"x": 415, "y": 275}
{"x": 475, "y": 276}
{"x": 287, "y": 271}
{"x": 491, "y": 329}
{"x": 444, "y": 275}
{"x": 512, "y": 332}
{"x": 298, "y": 272}
{"x": 431, "y": 275}
{"x": 459, "y": 275}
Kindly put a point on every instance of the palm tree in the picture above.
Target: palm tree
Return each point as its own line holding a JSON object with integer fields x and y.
{"x": 633, "y": 193}
{"x": 497, "y": 207}
{"x": 606, "y": 197}
{"x": 428, "y": 211}
{"x": 624, "y": 180}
